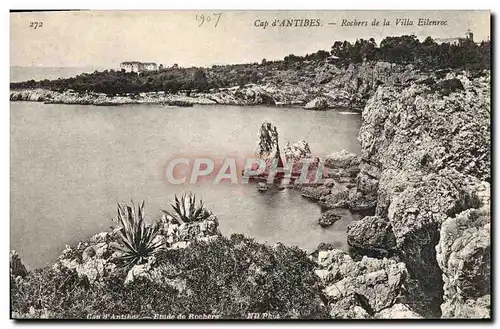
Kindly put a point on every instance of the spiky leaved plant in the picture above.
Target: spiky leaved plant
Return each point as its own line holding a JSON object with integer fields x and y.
{"x": 186, "y": 210}
{"x": 137, "y": 238}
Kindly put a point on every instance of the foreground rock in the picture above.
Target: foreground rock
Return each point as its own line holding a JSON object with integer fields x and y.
{"x": 397, "y": 311}
{"x": 424, "y": 158}
{"x": 464, "y": 255}
{"x": 372, "y": 233}
{"x": 359, "y": 289}
{"x": 98, "y": 258}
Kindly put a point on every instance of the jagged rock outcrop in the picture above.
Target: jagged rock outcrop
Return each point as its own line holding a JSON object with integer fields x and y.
{"x": 423, "y": 158}
{"x": 319, "y": 103}
{"x": 173, "y": 233}
{"x": 315, "y": 193}
{"x": 337, "y": 198}
{"x": 298, "y": 157}
{"x": 328, "y": 218}
{"x": 91, "y": 260}
{"x": 359, "y": 289}
{"x": 254, "y": 94}
{"x": 397, "y": 311}
{"x": 340, "y": 170}
{"x": 342, "y": 166}
{"x": 341, "y": 160}
{"x": 464, "y": 256}
{"x": 300, "y": 167}
{"x": 349, "y": 307}
{"x": 17, "y": 267}
{"x": 297, "y": 151}
{"x": 268, "y": 143}
{"x": 97, "y": 258}
{"x": 371, "y": 233}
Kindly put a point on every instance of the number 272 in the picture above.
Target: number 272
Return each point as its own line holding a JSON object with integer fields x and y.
{"x": 35, "y": 25}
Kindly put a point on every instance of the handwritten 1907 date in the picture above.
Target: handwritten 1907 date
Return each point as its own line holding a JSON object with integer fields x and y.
{"x": 212, "y": 19}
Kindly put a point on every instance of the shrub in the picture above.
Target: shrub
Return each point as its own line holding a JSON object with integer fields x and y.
{"x": 137, "y": 239}
{"x": 186, "y": 210}
{"x": 229, "y": 277}
{"x": 235, "y": 276}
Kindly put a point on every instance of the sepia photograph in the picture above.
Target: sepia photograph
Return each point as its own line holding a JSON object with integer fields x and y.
{"x": 250, "y": 165}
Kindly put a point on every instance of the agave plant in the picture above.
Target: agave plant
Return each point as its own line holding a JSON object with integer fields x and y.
{"x": 186, "y": 210}
{"x": 136, "y": 237}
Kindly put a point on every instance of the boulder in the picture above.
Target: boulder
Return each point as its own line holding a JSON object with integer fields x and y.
{"x": 141, "y": 271}
{"x": 464, "y": 256}
{"x": 348, "y": 307}
{"x": 315, "y": 192}
{"x": 371, "y": 233}
{"x": 297, "y": 151}
{"x": 329, "y": 182}
{"x": 17, "y": 267}
{"x": 93, "y": 269}
{"x": 460, "y": 308}
{"x": 341, "y": 159}
{"x": 397, "y": 311}
{"x": 448, "y": 86}
{"x": 319, "y": 103}
{"x": 361, "y": 202}
{"x": 100, "y": 237}
{"x": 179, "y": 236}
{"x": 416, "y": 213}
{"x": 254, "y": 94}
{"x": 297, "y": 156}
{"x": 376, "y": 283}
{"x": 328, "y": 218}
{"x": 89, "y": 252}
{"x": 337, "y": 198}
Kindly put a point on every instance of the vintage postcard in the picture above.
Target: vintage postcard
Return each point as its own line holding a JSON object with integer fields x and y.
{"x": 257, "y": 165}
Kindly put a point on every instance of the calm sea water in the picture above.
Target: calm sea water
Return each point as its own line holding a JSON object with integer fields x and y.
{"x": 21, "y": 73}
{"x": 71, "y": 164}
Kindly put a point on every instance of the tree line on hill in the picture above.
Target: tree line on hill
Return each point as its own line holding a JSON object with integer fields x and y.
{"x": 406, "y": 49}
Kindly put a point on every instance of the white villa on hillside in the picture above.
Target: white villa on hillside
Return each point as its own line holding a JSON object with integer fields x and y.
{"x": 138, "y": 66}
{"x": 150, "y": 66}
{"x": 457, "y": 40}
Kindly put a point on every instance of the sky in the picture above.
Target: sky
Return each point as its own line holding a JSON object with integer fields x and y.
{"x": 106, "y": 38}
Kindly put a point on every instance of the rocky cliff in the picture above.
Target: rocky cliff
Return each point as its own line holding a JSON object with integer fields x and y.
{"x": 425, "y": 168}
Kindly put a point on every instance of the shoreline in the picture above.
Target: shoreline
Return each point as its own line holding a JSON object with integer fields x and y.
{"x": 325, "y": 86}
{"x": 70, "y": 97}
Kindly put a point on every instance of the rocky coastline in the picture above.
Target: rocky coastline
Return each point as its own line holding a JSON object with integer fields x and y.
{"x": 422, "y": 180}
{"x": 318, "y": 86}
